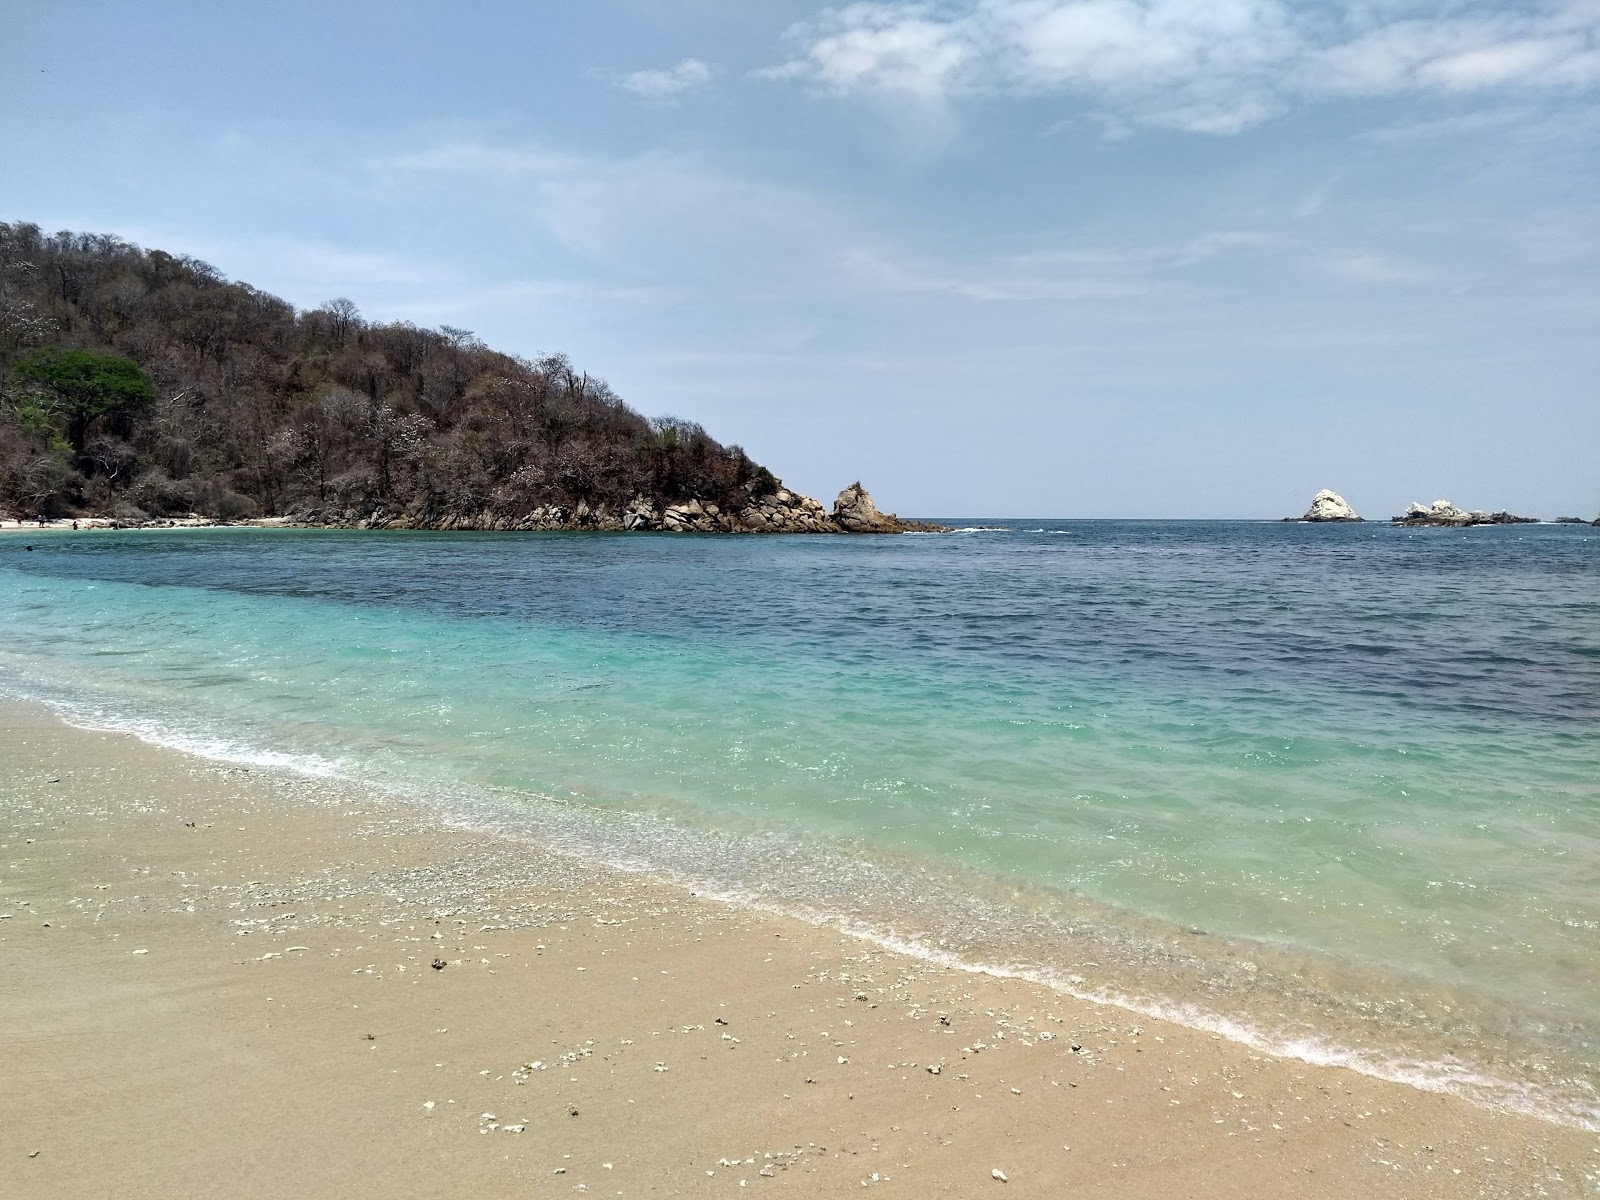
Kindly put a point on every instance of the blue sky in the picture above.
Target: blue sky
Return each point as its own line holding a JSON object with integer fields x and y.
{"x": 1003, "y": 257}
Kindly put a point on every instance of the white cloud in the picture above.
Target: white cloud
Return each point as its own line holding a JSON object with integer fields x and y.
{"x": 883, "y": 47}
{"x": 666, "y": 83}
{"x": 1207, "y": 66}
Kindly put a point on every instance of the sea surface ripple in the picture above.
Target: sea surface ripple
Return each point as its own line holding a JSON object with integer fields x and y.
{"x": 1332, "y": 788}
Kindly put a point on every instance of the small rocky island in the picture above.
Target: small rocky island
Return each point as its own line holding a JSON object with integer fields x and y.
{"x": 1328, "y": 505}
{"x": 1443, "y": 514}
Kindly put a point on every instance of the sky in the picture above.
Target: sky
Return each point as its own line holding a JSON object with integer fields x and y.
{"x": 1057, "y": 258}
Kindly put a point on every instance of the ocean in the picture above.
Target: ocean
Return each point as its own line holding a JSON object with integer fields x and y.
{"x": 1333, "y": 791}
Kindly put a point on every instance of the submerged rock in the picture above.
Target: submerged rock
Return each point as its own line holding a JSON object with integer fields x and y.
{"x": 1328, "y": 505}
{"x": 1443, "y": 513}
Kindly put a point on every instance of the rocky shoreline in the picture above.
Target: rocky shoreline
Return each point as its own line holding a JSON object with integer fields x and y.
{"x": 779, "y": 511}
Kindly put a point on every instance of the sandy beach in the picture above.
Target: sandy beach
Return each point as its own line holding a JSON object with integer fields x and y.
{"x": 227, "y": 981}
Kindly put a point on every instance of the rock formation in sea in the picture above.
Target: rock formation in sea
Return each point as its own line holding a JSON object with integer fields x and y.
{"x": 1328, "y": 505}
{"x": 1443, "y": 513}
{"x": 854, "y": 512}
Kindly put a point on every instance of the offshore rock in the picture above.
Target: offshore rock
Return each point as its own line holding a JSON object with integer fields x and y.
{"x": 1328, "y": 505}
{"x": 1442, "y": 513}
{"x": 854, "y": 512}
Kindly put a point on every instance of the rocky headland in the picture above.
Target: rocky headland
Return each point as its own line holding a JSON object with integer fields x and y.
{"x": 124, "y": 403}
{"x": 1442, "y": 513}
{"x": 1328, "y": 505}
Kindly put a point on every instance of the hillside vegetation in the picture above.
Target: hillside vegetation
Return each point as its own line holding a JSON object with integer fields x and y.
{"x": 138, "y": 383}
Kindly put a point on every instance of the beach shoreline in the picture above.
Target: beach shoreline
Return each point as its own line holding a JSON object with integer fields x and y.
{"x": 208, "y": 966}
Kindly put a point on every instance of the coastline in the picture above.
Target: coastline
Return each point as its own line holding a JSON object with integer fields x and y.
{"x": 222, "y": 1043}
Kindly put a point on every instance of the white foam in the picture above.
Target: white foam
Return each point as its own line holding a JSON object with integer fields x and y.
{"x": 81, "y": 715}
{"x": 1445, "y": 1077}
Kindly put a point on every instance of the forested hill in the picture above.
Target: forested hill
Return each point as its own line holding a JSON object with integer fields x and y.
{"x": 138, "y": 383}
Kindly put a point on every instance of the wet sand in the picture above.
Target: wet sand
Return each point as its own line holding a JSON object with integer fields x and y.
{"x": 226, "y": 982}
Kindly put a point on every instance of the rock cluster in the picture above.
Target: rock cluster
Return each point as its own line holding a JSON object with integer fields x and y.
{"x": 1328, "y": 505}
{"x": 777, "y": 511}
{"x": 1443, "y": 513}
{"x": 786, "y": 512}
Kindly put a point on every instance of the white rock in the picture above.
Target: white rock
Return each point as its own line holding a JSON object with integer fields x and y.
{"x": 997, "y": 1173}
{"x": 1328, "y": 505}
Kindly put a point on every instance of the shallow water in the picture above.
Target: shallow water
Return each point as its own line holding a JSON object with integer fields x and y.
{"x": 1334, "y": 789}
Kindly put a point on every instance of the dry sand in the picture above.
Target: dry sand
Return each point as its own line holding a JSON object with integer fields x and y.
{"x": 220, "y": 982}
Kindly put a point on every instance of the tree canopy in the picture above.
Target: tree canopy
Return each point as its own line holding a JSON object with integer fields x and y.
{"x": 87, "y": 386}
{"x": 141, "y": 383}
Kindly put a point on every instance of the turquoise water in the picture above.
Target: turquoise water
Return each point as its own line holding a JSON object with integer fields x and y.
{"x": 1335, "y": 790}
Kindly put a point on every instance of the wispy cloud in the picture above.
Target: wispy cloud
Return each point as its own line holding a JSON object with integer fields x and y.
{"x": 1205, "y": 66}
{"x": 878, "y": 272}
{"x": 664, "y": 84}
{"x": 1373, "y": 268}
{"x": 1447, "y": 127}
{"x": 659, "y": 215}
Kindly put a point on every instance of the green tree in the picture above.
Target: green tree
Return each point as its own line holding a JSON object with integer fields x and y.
{"x": 87, "y": 386}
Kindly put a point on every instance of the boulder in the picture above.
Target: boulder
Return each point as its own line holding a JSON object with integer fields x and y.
{"x": 1328, "y": 505}
{"x": 854, "y": 512}
{"x": 639, "y": 514}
